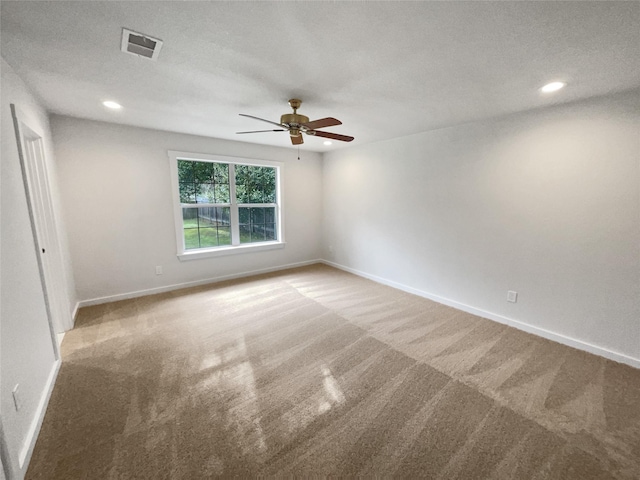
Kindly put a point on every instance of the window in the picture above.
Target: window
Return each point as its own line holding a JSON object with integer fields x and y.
{"x": 225, "y": 205}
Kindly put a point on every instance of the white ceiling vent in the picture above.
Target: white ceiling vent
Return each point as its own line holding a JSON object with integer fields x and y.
{"x": 140, "y": 44}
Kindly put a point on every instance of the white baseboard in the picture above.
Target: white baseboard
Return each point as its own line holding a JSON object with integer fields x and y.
{"x": 36, "y": 424}
{"x": 74, "y": 314}
{"x": 541, "y": 332}
{"x": 178, "y": 286}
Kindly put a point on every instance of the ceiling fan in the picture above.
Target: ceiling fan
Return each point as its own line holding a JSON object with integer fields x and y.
{"x": 297, "y": 124}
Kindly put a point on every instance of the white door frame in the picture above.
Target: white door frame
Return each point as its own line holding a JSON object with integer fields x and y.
{"x": 43, "y": 225}
{"x": 5, "y": 466}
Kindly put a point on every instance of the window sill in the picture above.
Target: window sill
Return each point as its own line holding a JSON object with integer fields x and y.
{"x": 222, "y": 251}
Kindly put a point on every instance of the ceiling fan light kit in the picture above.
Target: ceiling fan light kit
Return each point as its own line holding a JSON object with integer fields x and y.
{"x": 297, "y": 124}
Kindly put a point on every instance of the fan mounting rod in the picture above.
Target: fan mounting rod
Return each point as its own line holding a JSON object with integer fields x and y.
{"x": 295, "y": 104}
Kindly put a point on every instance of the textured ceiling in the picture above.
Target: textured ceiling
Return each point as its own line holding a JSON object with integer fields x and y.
{"x": 386, "y": 69}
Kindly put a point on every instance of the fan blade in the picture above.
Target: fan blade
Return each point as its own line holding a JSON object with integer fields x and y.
{"x": 323, "y": 122}
{"x": 334, "y": 136}
{"x": 297, "y": 140}
{"x": 260, "y": 131}
{"x": 263, "y": 120}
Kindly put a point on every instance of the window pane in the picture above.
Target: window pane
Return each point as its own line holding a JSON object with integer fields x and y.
{"x": 223, "y": 216}
{"x": 190, "y": 224}
{"x": 221, "y": 173}
{"x": 203, "y": 172}
{"x": 185, "y": 171}
{"x": 241, "y": 173}
{"x": 257, "y": 233}
{"x": 269, "y": 215}
{"x": 219, "y": 216}
{"x": 257, "y": 215}
{"x": 224, "y": 236}
{"x": 245, "y": 234}
{"x": 206, "y": 227}
{"x": 255, "y": 184}
{"x": 241, "y": 193}
{"x": 253, "y": 227}
{"x": 203, "y": 182}
{"x": 191, "y": 239}
{"x": 245, "y": 216}
{"x": 205, "y": 193}
{"x": 270, "y": 193}
{"x": 190, "y": 218}
{"x": 208, "y": 237}
{"x": 222, "y": 193}
{"x": 187, "y": 193}
{"x": 269, "y": 185}
{"x": 270, "y": 231}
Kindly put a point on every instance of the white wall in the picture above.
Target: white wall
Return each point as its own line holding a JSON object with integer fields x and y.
{"x": 117, "y": 197}
{"x": 546, "y": 203}
{"x": 26, "y": 348}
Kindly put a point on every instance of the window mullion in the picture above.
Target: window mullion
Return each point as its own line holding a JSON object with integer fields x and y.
{"x": 235, "y": 217}
{"x": 204, "y": 205}
{"x": 257, "y": 205}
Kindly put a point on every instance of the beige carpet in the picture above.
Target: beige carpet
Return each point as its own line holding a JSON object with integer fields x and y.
{"x": 314, "y": 371}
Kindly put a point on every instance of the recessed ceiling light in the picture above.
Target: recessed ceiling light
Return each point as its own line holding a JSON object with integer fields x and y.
{"x": 552, "y": 87}
{"x": 327, "y": 142}
{"x": 112, "y": 105}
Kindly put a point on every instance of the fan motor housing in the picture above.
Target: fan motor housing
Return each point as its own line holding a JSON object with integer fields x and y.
{"x": 293, "y": 119}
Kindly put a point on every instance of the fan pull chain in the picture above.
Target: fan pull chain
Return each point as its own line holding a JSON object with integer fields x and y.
{"x": 298, "y": 152}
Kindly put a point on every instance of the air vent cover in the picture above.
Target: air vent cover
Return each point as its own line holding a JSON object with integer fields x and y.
{"x": 140, "y": 44}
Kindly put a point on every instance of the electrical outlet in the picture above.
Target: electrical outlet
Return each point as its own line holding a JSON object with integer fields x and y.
{"x": 16, "y": 397}
{"x": 512, "y": 296}
{"x": 159, "y": 270}
{"x": 330, "y": 249}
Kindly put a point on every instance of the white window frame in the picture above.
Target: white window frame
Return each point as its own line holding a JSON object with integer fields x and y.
{"x": 192, "y": 254}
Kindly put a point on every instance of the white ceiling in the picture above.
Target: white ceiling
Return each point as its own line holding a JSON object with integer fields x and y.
{"x": 386, "y": 69}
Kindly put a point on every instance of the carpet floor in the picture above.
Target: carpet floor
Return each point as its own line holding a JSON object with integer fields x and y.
{"x": 316, "y": 372}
